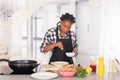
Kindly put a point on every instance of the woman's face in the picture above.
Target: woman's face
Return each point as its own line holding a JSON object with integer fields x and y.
{"x": 65, "y": 26}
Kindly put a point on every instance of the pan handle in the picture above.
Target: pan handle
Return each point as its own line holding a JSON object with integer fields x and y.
{"x": 4, "y": 60}
{"x": 36, "y": 65}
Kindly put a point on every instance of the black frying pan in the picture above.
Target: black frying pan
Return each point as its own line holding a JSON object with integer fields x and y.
{"x": 21, "y": 65}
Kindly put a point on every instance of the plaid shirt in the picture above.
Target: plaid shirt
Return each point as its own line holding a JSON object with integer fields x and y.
{"x": 50, "y": 38}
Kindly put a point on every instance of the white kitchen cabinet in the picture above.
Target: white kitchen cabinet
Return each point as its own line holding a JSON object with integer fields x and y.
{"x": 88, "y": 27}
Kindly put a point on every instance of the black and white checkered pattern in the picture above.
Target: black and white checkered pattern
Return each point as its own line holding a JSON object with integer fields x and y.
{"x": 50, "y": 37}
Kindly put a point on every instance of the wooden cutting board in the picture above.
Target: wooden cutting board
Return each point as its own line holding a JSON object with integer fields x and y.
{"x": 48, "y": 67}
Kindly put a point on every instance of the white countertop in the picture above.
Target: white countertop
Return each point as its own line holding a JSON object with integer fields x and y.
{"x": 90, "y": 77}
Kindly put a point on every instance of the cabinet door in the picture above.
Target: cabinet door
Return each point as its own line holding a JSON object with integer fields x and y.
{"x": 82, "y": 23}
{"x": 87, "y": 28}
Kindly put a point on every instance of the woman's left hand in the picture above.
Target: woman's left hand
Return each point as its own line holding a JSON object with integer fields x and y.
{"x": 76, "y": 52}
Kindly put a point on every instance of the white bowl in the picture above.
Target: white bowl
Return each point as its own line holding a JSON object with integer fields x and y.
{"x": 59, "y": 63}
{"x": 70, "y": 54}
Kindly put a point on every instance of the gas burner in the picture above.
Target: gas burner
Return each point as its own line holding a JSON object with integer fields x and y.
{"x": 25, "y": 72}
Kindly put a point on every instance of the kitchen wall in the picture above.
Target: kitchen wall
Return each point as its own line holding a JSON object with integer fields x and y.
{"x": 109, "y": 45}
{"x": 110, "y": 28}
{"x": 88, "y": 26}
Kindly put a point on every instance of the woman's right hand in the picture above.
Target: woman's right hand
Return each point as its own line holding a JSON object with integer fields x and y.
{"x": 59, "y": 45}
{"x": 51, "y": 46}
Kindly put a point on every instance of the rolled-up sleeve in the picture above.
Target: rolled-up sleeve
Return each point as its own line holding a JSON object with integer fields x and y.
{"x": 74, "y": 40}
{"x": 45, "y": 42}
{"x": 49, "y": 38}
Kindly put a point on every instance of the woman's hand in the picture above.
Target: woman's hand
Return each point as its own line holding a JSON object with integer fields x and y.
{"x": 75, "y": 51}
{"x": 59, "y": 45}
{"x": 51, "y": 46}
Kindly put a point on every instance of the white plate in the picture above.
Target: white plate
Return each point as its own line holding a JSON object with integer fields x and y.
{"x": 59, "y": 63}
{"x": 44, "y": 75}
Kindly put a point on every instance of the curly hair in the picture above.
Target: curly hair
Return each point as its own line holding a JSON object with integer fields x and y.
{"x": 68, "y": 17}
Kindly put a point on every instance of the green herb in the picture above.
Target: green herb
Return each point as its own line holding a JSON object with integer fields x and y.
{"x": 81, "y": 73}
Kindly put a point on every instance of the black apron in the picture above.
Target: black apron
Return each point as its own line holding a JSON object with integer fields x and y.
{"x": 58, "y": 54}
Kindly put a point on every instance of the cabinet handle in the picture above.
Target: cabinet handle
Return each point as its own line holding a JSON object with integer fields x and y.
{"x": 87, "y": 27}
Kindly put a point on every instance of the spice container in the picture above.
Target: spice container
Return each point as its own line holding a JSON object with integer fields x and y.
{"x": 93, "y": 64}
{"x": 112, "y": 66}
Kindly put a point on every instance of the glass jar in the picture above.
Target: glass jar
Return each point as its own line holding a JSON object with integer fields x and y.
{"x": 93, "y": 63}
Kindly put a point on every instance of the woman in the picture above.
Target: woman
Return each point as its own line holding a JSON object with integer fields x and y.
{"x": 61, "y": 40}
